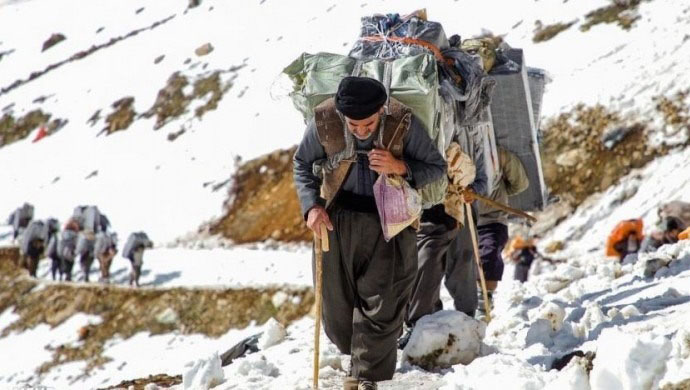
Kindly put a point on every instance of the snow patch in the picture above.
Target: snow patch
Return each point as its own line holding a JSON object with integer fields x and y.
{"x": 274, "y": 333}
{"x": 539, "y": 332}
{"x": 593, "y": 316}
{"x": 495, "y": 372}
{"x": 443, "y": 339}
{"x": 279, "y": 298}
{"x": 678, "y": 364}
{"x": 257, "y": 366}
{"x": 167, "y": 317}
{"x": 629, "y": 362}
{"x": 552, "y": 312}
{"x": 204, "y": 374}
{"x": 330, "y": 357}
{"x": 630, "y": 311}
{"x": 573, "y": 377}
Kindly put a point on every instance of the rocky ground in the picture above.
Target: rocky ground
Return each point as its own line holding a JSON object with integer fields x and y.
{"x": 140, "y": 384}
{"x": 584, "y": 151}
{"x": 589, "y": 149}
{"x": 262, "y": 203}
{"x": 127, "y": 311}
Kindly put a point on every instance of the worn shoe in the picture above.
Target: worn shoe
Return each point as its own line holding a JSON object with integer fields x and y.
{"x": 481, "y": 312}
{"x": 367, "y": 385}
{"x": 404, "y": 339}
{"x": 350, "y": 383}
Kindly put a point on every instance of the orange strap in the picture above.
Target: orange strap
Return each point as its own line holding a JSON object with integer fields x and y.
{"x": 685, "y": 234}
{"x": 409, "y": 41}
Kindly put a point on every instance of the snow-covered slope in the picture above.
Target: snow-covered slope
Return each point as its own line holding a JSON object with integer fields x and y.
{"x": 144, "y": 181}
{"x": 637, "y": 325}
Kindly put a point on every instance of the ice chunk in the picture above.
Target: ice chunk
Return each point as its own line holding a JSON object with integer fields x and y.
{"x": 630, "y": 311}
{"x": 273, "y": 334}
{"x": 279, "y": 298}
{"x": 204, "y": 374}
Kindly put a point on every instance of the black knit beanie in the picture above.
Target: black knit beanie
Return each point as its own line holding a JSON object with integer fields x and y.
{"x": 359, "y": 97}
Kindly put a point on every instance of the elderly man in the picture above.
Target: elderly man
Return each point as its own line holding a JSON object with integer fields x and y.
{"x": 367, "y": 281}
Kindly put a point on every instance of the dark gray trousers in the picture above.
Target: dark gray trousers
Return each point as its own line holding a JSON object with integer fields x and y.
{"x": 449, "y": 253}
{"x": 67, "y": 268}
{"x": 366, "y": 287}
{"x": 55, "y": 268}
{"x": 521, "y": 272}
{"x": 85, "y": 261}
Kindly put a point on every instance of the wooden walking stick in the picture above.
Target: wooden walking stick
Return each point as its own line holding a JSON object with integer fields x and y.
{"x": 503, "y": 207}
{"x": 320, "y": 246}
{"x": 475, "y": 245}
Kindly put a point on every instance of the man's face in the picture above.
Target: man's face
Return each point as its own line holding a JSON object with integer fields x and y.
{"x": 363, "y": 128}
{"x": 672, "y": 235}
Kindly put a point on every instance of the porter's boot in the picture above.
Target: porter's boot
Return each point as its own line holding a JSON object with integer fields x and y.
{"x": 350, "y": 383}
{"x": 481, "y": 311}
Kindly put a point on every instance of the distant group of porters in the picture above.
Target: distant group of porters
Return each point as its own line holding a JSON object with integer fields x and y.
{"x": 86, "y": 235}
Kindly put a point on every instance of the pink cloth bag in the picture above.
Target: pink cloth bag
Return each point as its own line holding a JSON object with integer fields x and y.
{"x": 398, "y": 204}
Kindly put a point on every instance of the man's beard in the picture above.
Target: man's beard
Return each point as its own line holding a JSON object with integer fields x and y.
{"x": 363, "y": 138}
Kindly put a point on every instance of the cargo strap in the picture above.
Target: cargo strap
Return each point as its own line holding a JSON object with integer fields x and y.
{"x": 409, "y": 41}
{"x": 419, "y": 42}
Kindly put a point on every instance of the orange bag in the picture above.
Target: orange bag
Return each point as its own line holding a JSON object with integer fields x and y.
{"x": 685, "y": 234}
{"x": 621, "y": 232}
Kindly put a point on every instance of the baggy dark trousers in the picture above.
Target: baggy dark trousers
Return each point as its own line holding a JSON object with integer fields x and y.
{"x": 493, "y": 238}
{"x": 85, "y": 261}
{"x": 443, "y": 252}
{"x": 521, "y": 272}
{"x": 55, "y": 267}
{"x": 67, "y": 269}
{"x": 366, "y": 286}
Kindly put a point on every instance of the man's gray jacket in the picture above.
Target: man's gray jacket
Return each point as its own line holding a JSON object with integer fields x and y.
{"x": 424, "y": 164}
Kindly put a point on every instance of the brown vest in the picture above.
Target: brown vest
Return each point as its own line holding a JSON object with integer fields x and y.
{"x": 329, "y": 127}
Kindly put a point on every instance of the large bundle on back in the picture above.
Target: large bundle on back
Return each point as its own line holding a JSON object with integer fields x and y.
{"x": 415, "y": 61}
{"x": 514, "y": 116}
{"x": 67, "y": 245}
{"x": 104, "y": 241}
{"x": 134, "y": 242}
{"x": 35, "y": 235}
{"x": 21, "y": 217}
{"x": 89, "y": 219}
{"x": 478, "y": 86}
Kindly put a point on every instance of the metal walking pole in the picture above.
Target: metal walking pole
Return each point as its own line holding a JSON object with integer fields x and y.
{"x": 320, "y": 246}
{"x": 475, "y": 245}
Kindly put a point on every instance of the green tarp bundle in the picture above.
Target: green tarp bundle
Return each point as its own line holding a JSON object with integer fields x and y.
{"x": 414, "y": 82}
